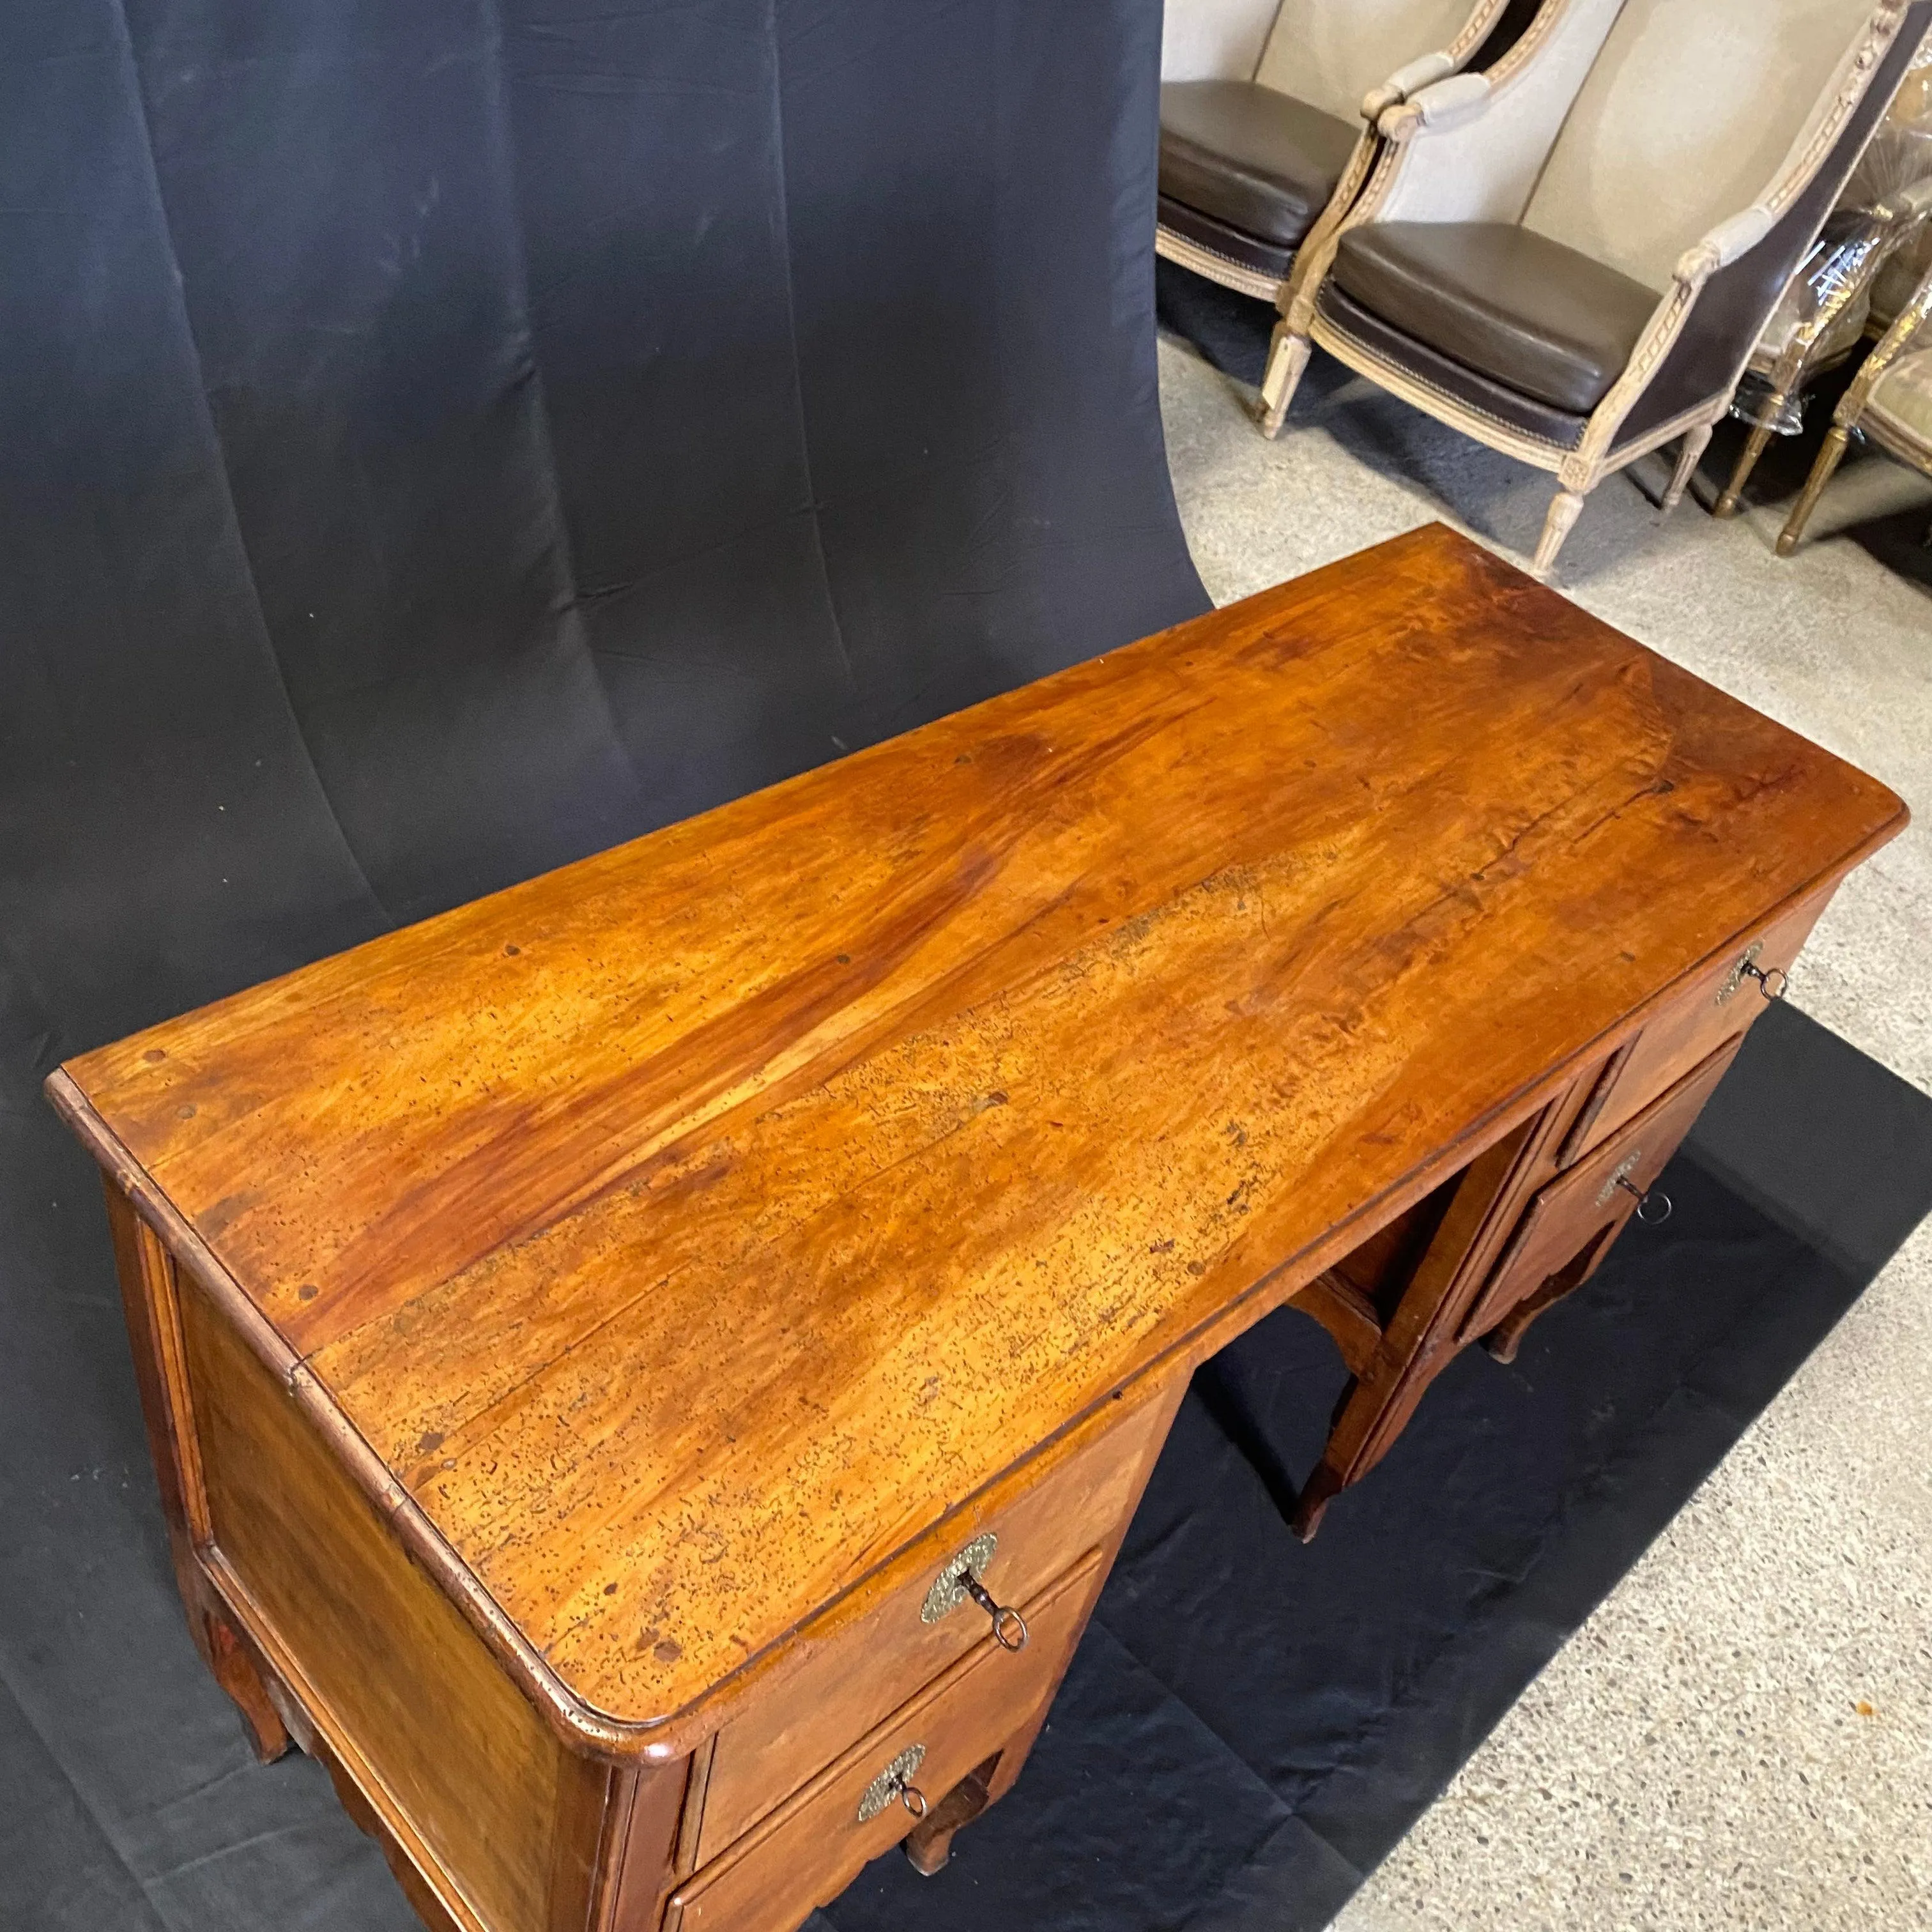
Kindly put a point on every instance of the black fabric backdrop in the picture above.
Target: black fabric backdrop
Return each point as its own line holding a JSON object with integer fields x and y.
{"x": 437, "y": 439}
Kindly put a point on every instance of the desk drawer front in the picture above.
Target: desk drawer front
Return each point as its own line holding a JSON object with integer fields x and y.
{"x": 853, "y": 1677}
{"x": 1719, "y": 1006}
{"x": 814, "y": 1846}
{"x": 1584, "y": 1209}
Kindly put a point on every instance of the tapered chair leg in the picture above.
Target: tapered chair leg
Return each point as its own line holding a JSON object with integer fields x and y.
{"x": 1564, "y": 508}
{"x": 1288, "y": 357}
{"x": 1829, "y": 458}
{"x": 1696, "y": 442}
{"x": 1726, "y": 505}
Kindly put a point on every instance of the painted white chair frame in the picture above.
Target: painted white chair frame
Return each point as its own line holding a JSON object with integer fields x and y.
{"x": 1336, "y": 55}
{"x": 1476, "y": 147}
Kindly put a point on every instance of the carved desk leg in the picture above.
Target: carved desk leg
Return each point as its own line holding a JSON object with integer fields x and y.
{"x": 1419, "y": 1341}
{"x": 928, "y": 1845}
{"x": 1503, "y": 1340}
{"x": 149, "y": 1294}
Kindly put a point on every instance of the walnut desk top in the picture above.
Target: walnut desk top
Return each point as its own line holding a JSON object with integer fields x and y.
{"x": 669, "y": 1243}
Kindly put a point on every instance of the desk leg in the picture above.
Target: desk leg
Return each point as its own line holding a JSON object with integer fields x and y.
{"x": 1419, "y": 1340}
{"x": 1374, "y": 1410}
{"x": 928, "y": 1847}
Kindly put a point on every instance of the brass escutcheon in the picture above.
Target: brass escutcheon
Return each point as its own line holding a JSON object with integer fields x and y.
{"x": 883, "y": 1791}
{"x": 1626, "y": 1167}
{"x": 1728, "y": 991}
{"x": 948, "y": 1589}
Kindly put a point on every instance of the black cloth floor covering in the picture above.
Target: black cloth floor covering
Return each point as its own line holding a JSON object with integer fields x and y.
{"x": 438, "y": 440}
{"x": 1251, "y": 1725}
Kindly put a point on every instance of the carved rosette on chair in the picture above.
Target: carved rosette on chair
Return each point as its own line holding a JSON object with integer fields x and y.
{"x": 1571, "y": 257}
{"x": 1268, "y": 118}
{"x": 1890, "y": 403}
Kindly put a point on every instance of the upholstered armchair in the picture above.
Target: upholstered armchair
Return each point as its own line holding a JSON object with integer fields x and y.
{"x": 1570, "y": 256}
{"x": 1889, "y": 403}
{"x": 1268, "y": 111}
{"x": 1831, "y": 304}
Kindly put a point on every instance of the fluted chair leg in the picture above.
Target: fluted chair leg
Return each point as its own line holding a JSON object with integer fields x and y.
{"x": 1564, "y": 508}
{"x": 1829, "y": 458}
{"x": 1696, "y": 442}
{"x": 1288, "y": 357}
{"x": 1726, "y": 505}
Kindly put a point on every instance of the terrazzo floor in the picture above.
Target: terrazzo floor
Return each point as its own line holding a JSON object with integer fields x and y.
{"x": 1740, "y": 1737}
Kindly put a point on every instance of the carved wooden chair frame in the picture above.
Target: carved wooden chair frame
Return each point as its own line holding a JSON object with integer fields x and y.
{"x": 1850, "y": 415}
{"x": 1901, "y": 216}
{"x": 1437, "y": 131}
{"x": 1187, "y": 253}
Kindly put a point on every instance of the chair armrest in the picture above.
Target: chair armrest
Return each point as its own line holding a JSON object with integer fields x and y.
{"x": 1453, "y": 102}
{"x": 1471, "y": 147}
{"x": 1408, "y": 81}
{"x": 1404, "y": 82}
{"x": 1735, "y": 236}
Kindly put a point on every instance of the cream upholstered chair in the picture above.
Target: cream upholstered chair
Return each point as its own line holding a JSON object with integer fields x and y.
{"x": 1843, "y": 292}
{"x": 1267, "y": 109}
{"x": 1889, "y": 403}
{"x": 1570, "y": 256}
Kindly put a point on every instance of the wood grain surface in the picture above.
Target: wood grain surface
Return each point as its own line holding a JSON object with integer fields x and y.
{"x": 690, "y": 1229}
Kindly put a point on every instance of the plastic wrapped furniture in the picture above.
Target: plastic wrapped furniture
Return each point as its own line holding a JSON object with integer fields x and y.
{"x": 1826, "y": 311}
{"x": 1907, "y": 265}
{"x": 1267, "y": 115}
{"x": 1571, "y": 257}
{"x": 1889, "y": 403}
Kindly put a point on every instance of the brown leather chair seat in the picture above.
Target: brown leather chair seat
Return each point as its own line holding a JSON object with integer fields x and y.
{"x": 1504, "y": 300}
{"x": 1256, "y": 160}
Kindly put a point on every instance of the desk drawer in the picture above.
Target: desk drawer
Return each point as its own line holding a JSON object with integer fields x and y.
{"x": 1572, "y": 1220}
{"x": 854, "y": 1676}
{"x": 815, "y": 1844}
{"x": 1718, "y": 1007}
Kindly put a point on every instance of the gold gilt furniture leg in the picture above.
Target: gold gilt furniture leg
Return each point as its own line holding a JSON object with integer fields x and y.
{"x": 1822, "y": 471}
{"x": 1759, "y": 440}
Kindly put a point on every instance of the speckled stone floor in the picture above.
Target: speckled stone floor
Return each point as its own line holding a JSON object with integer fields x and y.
{"x": 1741, "y": 1736}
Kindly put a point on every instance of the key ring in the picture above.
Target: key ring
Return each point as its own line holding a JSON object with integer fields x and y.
{"x": 1009, "y": 1630}
{"x": 1644, "y": 1198}
{"x": 908, "y": 1793}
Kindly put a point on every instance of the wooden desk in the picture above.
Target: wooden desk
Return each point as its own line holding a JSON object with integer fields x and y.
{"x": 585, "y": 1337}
